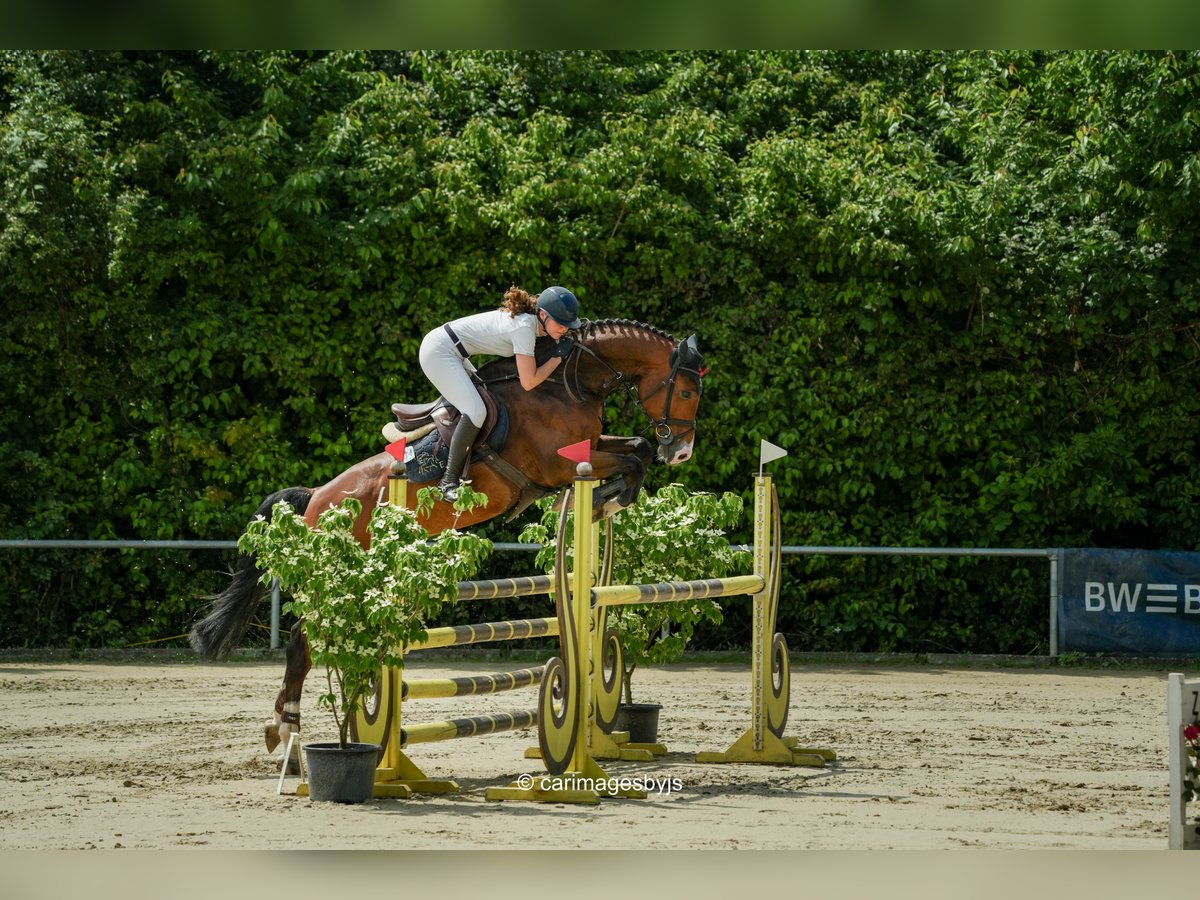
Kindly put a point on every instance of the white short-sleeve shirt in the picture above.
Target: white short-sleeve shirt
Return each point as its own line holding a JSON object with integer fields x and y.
{"x": 497, "y": 333}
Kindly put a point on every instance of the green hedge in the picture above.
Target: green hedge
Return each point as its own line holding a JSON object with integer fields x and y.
{"x": 960, "y": 289}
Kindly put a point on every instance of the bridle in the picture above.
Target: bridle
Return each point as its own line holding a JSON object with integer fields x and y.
{"x": 662, "y": 425}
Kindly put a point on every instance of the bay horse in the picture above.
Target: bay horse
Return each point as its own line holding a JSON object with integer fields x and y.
{"x": 611, "y": 354}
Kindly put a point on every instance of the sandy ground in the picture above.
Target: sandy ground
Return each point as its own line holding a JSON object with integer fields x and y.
{"x": 169, "y": 755}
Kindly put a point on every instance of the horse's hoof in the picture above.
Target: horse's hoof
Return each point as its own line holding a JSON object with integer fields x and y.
{"x": 607, "y": 511}
{"x": 271, "y": 734}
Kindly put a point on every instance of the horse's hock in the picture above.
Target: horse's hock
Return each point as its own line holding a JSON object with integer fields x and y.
{"x": 579, "y": 689}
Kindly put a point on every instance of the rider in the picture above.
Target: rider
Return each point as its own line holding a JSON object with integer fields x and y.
{"x": 510, "y": 330}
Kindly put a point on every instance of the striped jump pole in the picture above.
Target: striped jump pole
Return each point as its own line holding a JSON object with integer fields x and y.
{"x": 470, "y": 685}
{"x": 504, "y": 588}
{"x": 675, "y": 591}
{"x": 473, "y": 726}
{"x": 486, "y": 632}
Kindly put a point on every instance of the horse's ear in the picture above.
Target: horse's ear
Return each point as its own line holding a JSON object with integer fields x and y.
{"x": 689, "y": 354}
{"x": 686, "y": 354}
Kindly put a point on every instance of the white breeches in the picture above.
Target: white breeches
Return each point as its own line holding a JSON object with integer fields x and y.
{"x": 446, "y": 369}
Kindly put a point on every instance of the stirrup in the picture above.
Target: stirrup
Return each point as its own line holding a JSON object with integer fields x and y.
{"x": 450, "y": 491}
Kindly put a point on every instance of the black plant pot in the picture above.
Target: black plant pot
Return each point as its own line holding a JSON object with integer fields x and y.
{"x": 341, "y": 775}
{"x": 640, "y": 720}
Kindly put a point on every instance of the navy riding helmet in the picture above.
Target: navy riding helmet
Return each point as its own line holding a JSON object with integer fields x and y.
{"x": 561, "y": 305}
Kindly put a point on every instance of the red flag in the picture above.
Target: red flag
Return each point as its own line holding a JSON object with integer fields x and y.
{"x": 581, "y": 452}
{"x": 397, "y": 449}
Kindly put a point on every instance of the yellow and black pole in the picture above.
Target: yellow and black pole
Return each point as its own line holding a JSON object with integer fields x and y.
{"x": 770, "y": 675}
{"x": 762, "y": 568}
{"x": 566, "y": 693}
{"x": 581, "y": 601}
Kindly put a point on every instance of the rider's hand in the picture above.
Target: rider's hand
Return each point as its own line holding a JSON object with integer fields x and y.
{"x": 564, "y": 347}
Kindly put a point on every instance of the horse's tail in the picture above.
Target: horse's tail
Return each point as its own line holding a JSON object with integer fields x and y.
{"x": 215, "y": 636}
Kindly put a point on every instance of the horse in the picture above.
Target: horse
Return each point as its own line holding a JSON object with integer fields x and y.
{"x": 610, "y": 355}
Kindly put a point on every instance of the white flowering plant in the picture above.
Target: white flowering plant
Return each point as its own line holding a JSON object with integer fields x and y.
{"x": 362, "y": 606}
{"x": 671, "y": 536}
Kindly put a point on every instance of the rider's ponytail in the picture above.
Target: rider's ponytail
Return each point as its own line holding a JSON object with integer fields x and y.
{"x": 517, "y": 301}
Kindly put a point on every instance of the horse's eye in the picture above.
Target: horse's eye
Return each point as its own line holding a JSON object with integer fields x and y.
{"x": 686, "y": 395}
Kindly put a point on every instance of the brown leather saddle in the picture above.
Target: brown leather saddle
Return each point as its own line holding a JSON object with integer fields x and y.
{"x": 443, "y": 416}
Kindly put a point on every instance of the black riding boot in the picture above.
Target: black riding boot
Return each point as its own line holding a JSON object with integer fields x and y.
{"x": 460, "y": 445}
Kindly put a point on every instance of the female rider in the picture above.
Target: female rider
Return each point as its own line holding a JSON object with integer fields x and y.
{"x": 510, "y": 330}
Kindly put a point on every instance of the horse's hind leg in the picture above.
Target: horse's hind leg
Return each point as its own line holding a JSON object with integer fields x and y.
{"x": 287, "y": 705}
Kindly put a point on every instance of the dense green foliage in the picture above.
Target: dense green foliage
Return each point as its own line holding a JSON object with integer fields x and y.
{"x": 961, "y": 289}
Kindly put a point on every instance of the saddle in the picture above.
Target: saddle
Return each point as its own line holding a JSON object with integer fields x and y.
{"x": 431, "y": 426}
{"x": 443, "y": 417}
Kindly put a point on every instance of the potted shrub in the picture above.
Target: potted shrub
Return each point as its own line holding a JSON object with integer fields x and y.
{"x": 361, "y": 608}
{"x": 671, "y": 536}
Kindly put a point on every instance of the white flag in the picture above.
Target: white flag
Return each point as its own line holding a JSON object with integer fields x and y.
{"x": 768, "y": 452}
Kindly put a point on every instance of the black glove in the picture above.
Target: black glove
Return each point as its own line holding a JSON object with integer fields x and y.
{"x": 564, "y": 347}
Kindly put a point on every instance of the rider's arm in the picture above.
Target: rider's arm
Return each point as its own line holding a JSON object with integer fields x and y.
{"x": 530, "y": 373}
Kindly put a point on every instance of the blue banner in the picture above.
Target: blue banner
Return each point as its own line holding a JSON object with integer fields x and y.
{"x": 1129, "y": 602}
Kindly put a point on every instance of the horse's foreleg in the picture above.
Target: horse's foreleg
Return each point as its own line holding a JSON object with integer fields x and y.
{"x": 286, "y": 720}
{"x": 627, "y": 458}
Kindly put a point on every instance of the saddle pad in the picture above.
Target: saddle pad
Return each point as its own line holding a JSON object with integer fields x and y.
{"x": 429, "y": 454}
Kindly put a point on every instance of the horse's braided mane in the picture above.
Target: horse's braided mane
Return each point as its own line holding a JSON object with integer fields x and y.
{"x": 605, "y": 325}
{"x": 505, "y": 368}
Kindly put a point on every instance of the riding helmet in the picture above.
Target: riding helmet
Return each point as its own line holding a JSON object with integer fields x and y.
{"x": 561, "y": 305}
